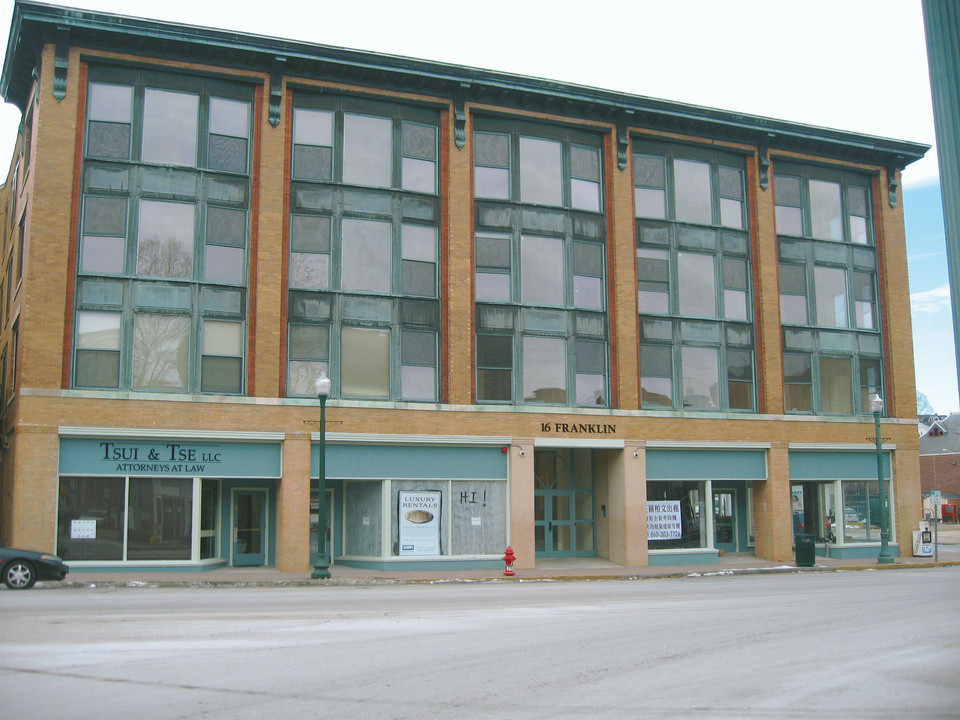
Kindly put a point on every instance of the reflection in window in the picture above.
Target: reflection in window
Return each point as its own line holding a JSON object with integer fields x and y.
{"x": 165, "y": 241}
{"x": 160, "y": 352}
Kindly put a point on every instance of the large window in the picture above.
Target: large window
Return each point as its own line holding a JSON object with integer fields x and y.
{"x": 162, "y": 266}
{"x": 136, "y": 518}
{"x": 828, "y": 290}
{"x": 687, "y": 497}
{"x": 693, "y": 279}
{"x": 540, "y": 267}
{"x": 839, "y": 511}
{"x": 364, "y": 250}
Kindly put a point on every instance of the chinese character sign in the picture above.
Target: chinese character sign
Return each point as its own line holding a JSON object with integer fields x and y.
{"x": 663, "y": 520}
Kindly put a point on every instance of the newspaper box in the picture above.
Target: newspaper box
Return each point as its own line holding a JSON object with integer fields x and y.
{"x": 923, "y": 541}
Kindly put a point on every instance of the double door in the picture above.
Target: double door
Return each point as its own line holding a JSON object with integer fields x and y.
{"x": 565, "y": 525}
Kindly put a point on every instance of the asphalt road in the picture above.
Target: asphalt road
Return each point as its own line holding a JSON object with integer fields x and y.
{"x": 841, "y": 645}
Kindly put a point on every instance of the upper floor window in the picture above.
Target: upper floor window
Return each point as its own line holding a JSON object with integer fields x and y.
{"x": 364, "y": 253}
{"x": 534, "y": 165}
{"x": 365, "y": 143}
{"x": 823, "y": 204}
{"x": 688, "y": 186}
{"x": 694, "y": 288}
{"x": 828, "y": 290}
{"x": 540, "y": 266}
{"x": 164, "y": 234}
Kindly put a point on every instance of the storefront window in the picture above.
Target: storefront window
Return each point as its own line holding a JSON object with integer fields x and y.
{"x": 844, "y": 512}
{"x": 159, "y": 519}
{"x": 687, "y": 498}
{"x": 158, "y": 513}
{"x": 861, "y": 511}
{"x": 90, "y": 522}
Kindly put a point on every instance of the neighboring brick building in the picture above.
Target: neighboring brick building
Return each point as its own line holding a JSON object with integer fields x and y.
{"x": 580, "y": 322}
{"x": 940, "y": 463}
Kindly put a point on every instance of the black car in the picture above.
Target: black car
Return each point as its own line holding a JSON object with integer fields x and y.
{"x": 20, "y": 569}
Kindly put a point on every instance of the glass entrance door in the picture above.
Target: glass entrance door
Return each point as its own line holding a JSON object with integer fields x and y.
{"x": 249, "y": 527}
{"x": 725, "y": 520}
{"x": 563, "y": 503}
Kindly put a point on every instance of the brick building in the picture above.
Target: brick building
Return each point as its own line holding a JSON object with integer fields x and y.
{"x": 940, "y": 465}
{"x": 578, "y": 322}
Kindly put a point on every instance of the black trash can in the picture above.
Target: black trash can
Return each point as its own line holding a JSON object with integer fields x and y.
{"x": 806, "y": 549}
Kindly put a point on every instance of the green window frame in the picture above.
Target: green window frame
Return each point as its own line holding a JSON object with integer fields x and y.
{"x": 830, "y": 373}
{"x": 364, "y": 249}
{"x": 540, "y": 265}
{"x": 829, "y": 291}
{"x": 694, "y": 279}
{"x": 163, "y": 251}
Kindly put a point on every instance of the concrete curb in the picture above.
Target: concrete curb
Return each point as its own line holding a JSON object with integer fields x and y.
{"x": 200, "y": 582}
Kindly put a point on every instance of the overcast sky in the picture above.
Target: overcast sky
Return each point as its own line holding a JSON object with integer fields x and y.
{"x": 857, "y": 65}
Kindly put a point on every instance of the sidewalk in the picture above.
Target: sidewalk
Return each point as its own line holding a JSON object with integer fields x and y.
{"x": 552, "y": 569}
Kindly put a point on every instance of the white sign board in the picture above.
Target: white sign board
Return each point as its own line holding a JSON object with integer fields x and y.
{"x": 663, "y": 520}
{"x": 419, "y": 522}
{"x": 83, "y": 529}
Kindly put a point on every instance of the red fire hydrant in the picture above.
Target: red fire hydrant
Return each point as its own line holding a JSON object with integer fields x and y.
{"x": 509, "y": 558}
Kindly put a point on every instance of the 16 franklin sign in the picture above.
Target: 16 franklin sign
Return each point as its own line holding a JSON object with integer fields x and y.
{"x": 579, "y": 428}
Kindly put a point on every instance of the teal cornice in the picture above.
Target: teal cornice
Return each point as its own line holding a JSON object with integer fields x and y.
{"x": 37, "y": 24}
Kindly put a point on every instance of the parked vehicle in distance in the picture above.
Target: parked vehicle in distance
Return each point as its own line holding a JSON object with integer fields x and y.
{"x": 20, "y": 569}
{"x": 850, "y": 515}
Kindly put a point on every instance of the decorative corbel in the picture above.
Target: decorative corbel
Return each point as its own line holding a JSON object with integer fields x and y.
{"x": 276, "y": 89}
{"x": 763, "y": 161}
{"x": 460, "y": 116}
{"x": 61, "y": 62}
{"x": 623, "y": 139}
{"x": 893, "y": 182}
